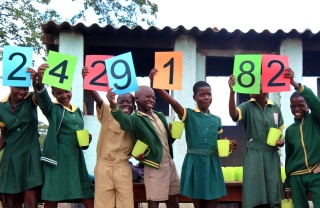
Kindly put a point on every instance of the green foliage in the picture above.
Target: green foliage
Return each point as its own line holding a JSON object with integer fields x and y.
{"x": 20, "y": 22}
{"x": 123, "y": 12}
{"x": 20, "y": 19}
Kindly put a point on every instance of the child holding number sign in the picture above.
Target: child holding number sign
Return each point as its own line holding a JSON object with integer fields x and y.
{"x": 20, "y": 167}
{"x": 261, "y": 167}
{"x": 302, "y": 142}
{"x": 201, "y": 177}
{"x": 113, "y": 175}
{"x": 160, "y": 175}
{"x": 65, "y": 172}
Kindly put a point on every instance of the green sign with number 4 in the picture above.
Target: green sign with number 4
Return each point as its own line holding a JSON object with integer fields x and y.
{"x": 247, "y": 72}
{"x": 61, "y": 70}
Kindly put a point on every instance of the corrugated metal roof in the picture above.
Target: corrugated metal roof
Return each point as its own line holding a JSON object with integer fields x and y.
{"x": 53, "y": 28}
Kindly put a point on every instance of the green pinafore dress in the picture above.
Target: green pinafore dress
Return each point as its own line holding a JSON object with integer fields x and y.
{"x": 69, "y": 179}
{"x": 20, "y": 167}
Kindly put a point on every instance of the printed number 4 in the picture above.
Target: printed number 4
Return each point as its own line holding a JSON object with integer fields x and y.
{"x": 62, "y": 75}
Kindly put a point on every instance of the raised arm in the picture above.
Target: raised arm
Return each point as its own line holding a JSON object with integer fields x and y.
{"x": 175, "y": 104}
{"x": 94, "y": 94}
{"x": 234, "y": 114}
{"x": 34, "y": 76}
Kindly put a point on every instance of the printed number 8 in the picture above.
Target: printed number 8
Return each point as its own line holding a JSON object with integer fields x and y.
{"x": 246, "y": 73}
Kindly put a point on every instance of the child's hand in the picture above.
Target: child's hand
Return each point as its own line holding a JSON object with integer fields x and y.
{"x": 153, "y": 72}
{"x": 140, "y": 157}
{"x": 41, "y": 70}
{"x": 231, "y": 82}
{"x": 33, "y": 74}
{"x": 280, "y": 143}
{"x": 288, "y": 195}
{"x": 85, "y": 71}
{"x": 90, "y": 138}
{"x": 233, "y": 145}
{"x": 111, "y": 96}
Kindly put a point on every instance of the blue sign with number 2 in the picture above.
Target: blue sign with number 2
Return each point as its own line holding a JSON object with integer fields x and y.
{"x": 121, "y": 74}
{"x": 16, "y": 60}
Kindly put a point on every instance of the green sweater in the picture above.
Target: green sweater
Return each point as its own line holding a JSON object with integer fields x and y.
{"x": 142, "y": 129}
{"x": 54, "y": 112}
{"x": 302, "y": 139}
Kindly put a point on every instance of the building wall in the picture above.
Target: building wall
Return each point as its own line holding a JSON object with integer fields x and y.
{"x": 194, "y": 70}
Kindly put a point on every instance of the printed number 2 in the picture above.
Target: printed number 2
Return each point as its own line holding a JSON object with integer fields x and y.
{"x": 62, "y": 75}
{"x": 94, "y": 80}
{"x": 24, "y": 61}
{"x": 171, "y": 64}
{"x": 271, "y": 82}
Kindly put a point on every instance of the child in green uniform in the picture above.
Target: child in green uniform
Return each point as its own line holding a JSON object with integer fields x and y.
{"x": 160, "y": 175}
{"x": 302, "y": 142}
{"x": 262, "y": 183}
{"x": 65, "y": 172}
{"x": 20, "y": 167}
{"x": 201, "y": 176}
{"x": 113, "y": 175}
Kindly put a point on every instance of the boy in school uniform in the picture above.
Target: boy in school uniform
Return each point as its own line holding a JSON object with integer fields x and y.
{"x": 160, "y": 174}
{"x": 302, "y": 141}
{"x": 113, "y": 175}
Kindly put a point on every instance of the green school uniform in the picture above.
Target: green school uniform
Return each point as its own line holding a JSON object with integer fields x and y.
{"x": 201, "y": 176}
{"x": 261, "y": 167}
{"x": 65, "y": 173}
{"x": 20, "y": 167}
{"x": 302, "y": 142}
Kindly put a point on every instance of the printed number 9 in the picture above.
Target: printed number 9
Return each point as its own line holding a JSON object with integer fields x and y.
{"x": 126, "y": 73}
{"x": 246, "y": 73}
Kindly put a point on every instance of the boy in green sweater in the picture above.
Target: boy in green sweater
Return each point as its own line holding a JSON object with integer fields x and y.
{"x": 302, "y": 142}
{"x": 160, "y": 175}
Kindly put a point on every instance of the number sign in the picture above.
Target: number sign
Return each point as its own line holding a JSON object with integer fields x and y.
{"x": 97, "y": 78}
{"x": 169, "y": 65}
{"x": 247, "y": 70}
{"x": 16, "y": 60}
{"x": 61, "y": 70}
{"x": 272, "y": 69}
{"x": 121, "y": 74}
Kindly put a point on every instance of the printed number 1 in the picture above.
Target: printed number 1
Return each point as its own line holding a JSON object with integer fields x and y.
{"x": 62, "y": 75}
{"x": 171, "y": 64}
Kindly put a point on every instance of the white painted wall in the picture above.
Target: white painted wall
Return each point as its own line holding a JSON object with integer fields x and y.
{"x": 194, "y": 70}
{"x": 188, "y": 45}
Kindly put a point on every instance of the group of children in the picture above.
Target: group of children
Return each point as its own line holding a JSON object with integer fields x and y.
{"x": 63, "y": 174}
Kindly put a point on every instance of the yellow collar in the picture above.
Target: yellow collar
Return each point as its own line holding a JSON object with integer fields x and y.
{"x": 269, "y": 102}
{"x": 8, "y": 96}
{"x": 74, "y": 108}
{"x": 198, "y": 111}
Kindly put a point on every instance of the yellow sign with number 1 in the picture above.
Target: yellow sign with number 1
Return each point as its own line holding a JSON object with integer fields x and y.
{"x": 61, "y": 70}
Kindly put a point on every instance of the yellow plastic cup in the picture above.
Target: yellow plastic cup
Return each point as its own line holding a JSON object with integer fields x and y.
{"x": 223, "y": 147}
{"x": 238, "y": 173}
{"x": 286, "y": 203}
{"x": 177, "y": 129}
{"x": 283, "y": 174}
{"x": 229, "y": 174}
{"x": 273, "y": 136}
{"x": 140, "y": 148}
{"x": 83, "y": 138}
